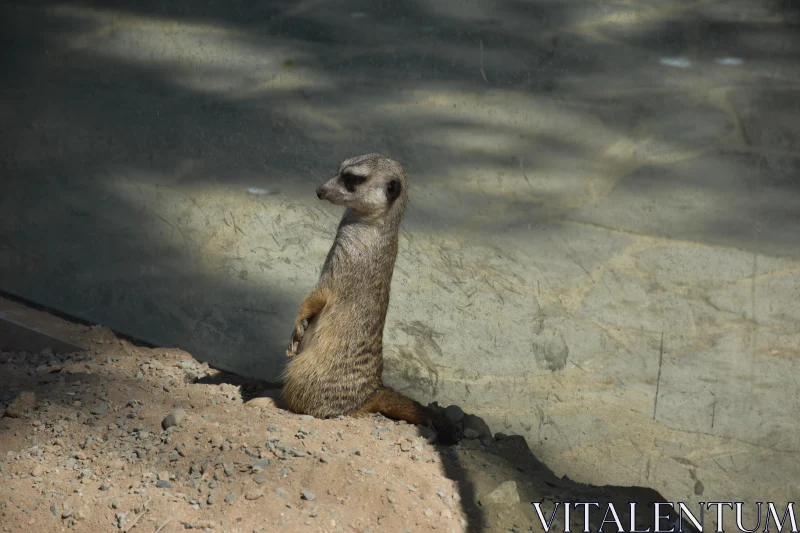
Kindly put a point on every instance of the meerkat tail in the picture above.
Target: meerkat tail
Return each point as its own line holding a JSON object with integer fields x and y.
{"x": 392, "y": 404}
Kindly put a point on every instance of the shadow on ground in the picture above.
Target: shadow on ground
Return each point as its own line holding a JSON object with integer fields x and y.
{"x": 130, "y": 132}
{"x": 481, "y": 466}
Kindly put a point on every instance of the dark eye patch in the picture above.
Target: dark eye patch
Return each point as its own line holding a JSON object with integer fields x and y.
{"x": 393, "y": 190}
{"x": 351, "y": 181}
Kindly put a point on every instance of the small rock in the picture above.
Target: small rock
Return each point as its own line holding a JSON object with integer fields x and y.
{"x": 308, "y": 495}
{"x": 26, "y": 400}
{"x": 115, "y": 503}
{"x": 259, "y": 480}
{"x": 470, "y": 433}
{"x": 163, "y": 484}
{"x": 99, "y": 409}
{"x": 446, "y": 513}
{"x": 280, "y": 491}
{"x": 306, "y": 418}
{"x": 454, "y": 413}
{"x": 405, "y": 446}
{"x": 37, "y": 471}
{"x": 174, "y": 418}
{"x": 477, "y": 424}
{"x": 253, "y": 494}
{"x": 260, "y": 463}
{"x": 66, "y": 513}
{"x": 81, "y": 513}
{"x": 121, "y": 520}
{"x": 163, "y": 475}
{"x": 505, "y": 494}
{"x": 232, "y": 496}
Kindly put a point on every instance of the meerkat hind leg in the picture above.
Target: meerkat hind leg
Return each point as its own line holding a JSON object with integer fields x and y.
{"x": 392, "y": 404}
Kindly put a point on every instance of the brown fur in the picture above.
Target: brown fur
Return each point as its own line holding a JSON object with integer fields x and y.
{"x": 337, "y": 344}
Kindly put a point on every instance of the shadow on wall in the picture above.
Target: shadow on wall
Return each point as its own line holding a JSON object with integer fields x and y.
{"x": 132, "y": 132}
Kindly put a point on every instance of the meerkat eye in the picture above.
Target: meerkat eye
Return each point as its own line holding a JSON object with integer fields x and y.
{"x": 393, "y": 190}
{"x": 351, "y": 181}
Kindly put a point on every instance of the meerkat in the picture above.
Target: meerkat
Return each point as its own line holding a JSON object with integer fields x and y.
{"x": 336, "y": 347}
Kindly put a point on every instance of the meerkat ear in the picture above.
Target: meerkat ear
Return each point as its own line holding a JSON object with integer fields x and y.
{"x": 393, "y": 190}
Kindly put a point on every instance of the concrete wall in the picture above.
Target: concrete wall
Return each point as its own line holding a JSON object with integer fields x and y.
{"x": 602, "y": 248}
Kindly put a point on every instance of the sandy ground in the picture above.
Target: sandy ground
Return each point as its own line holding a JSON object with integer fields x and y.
{"x": 127, "y": 438}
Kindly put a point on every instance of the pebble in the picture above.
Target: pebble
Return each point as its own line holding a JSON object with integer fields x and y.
{"x": 280, "y": 491}
{"x": 174, "y": 418}
{"x": 26, "y": 400}
{"x": 454, "y": 413}
{"x": 308, "y": 495}
{"x": 260, "y": 463}
{"x": 99, "y": 409}
{"x": 470, "y": 433}
{"x": 230, "y": 497}
{"x": 163, "y": 484}
{"x": 477, "y": 424}
{"x": 253, "y": 494}
{"x": 505, "y": 494}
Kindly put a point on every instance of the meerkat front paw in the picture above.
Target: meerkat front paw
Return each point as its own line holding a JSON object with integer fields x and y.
{"x": 297, "y": 337}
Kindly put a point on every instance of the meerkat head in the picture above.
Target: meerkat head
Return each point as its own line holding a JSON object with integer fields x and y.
{"x": 370, "y": 185}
